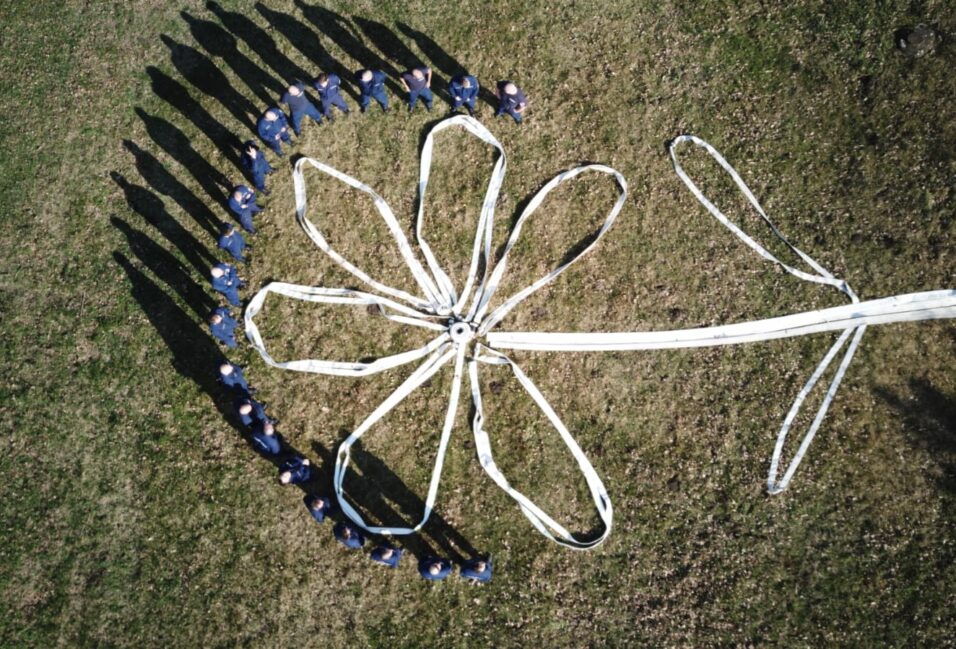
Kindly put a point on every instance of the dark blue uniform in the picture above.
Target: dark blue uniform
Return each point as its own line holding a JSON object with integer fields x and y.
{"x": 352, "y": 539}
{"x": 232, "y": 242}
{"x": 469, "y": 570}
{"x": 460, "y": 95}
{"x": 244, "y": 207}
{"x": 425, "y": 563}
{"x": 255, "y": 416}
{"x": 229, "y": 284}
{"x": 329, "y": 95}
{"x": 299, "y": 471}
{"x": 418, "y": 88}
{"x": 235, "y": 380}
{"x": 373, "y": 89}
{"x": 273, "y": 133}
{"x": 224, "y": 330}
{"x": 266, "y": 442}
{"x": 510, "y": 103}
{"x": 318, "y": 506}
{"x": 300, "y": 107}
{"x": 257, "y": 166}
{"x": 378, "y": 554}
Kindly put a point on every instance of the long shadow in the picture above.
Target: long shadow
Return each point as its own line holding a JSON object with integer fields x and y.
{"x": 394, "y": 49}
{"x": 151, "y": 208}
{"x": 165, "y": 265}
{"x": 930, "y": 420}
{"x": 370, "y": 481}
{"x": 339, "y": 30}
{"x": 220, "y": 43}
{"x": 209, "y": 79}
{"x": 176, "y": 95}
{"x": 171, "y": 140}
{"x": 305, "y": 40}
{"x": 195, "y": 356}
{"x": 443, "y": 61}
{"x": 158, "y": 177}
{"x": 261, "y": 43}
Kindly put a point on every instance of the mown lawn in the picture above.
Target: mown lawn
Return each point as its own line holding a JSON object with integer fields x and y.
{"x": 136, "y": 514}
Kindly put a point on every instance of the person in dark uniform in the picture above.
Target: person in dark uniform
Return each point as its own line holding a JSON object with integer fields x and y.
{"x": 318, "y": 506}
{"x": 250, "y": 411}
{"x": 417, "y": 82}
{"x": 242, "y": 202}
{"x": 464, "y": 92}
{"x": 256, "y": 165}
{"x": 434, "y": 568}
{"x": 327, "y": 86}
{"x": 372, "y": 86}
{"x": 300, "y": 106}
{"x": 231, "y": 376}
{"x": 273, "y": 128}
{"x": 223, "y": 326}
{"x": 510, "y": 100}
{"x": 386, "y": 554}
{"x": 477, "y": 570}
{"x": 232, "y": 242}
{"x": 295, "y": 470}
{"x": 225, "y": 280}
{"x": 265, "y": 439}
{"x": 348, "y": 535}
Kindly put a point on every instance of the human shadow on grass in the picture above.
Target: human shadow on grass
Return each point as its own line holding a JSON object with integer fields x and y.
{"x": 196, "y": 357}
{"x": 930, "y": 421}
{"x": 177, "y": 96}
{"x": 158, "y": 177}
{"x": 444, "y": 62}
{"x": 206, "y": 77}
{"x": 392, "y": 46}
{"x": 148, "y": 205}
{"x": 259, "y": 41}
{"x": 379, "y": 493}
{"x": 304, "y": 39}
{"x": 338, "y": 28}
{"x": 179, "y": 147}
{"x": 219, "y": 43}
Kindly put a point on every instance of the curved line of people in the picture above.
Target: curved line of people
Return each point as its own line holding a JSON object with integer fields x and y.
{"x": 273, "y": 130}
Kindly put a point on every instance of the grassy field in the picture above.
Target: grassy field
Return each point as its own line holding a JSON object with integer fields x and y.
{"x": 136, "y": 514}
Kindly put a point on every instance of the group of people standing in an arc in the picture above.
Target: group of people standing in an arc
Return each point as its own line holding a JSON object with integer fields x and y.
{"x": 273, "y": 125}
{"x": 273, "y": 129}
{"x": 296, "y": 470}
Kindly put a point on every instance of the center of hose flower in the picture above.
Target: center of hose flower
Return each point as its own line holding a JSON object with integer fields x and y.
{"x": 461, "y": 332}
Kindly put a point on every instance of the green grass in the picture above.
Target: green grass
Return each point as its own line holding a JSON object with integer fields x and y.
{"x": 134, "y": 514}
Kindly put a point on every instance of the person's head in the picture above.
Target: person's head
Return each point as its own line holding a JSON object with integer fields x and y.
{"x": 347, "y": 532}
{"x": 215, "y": 319}
{"x": 480, "y": 566}
{"x": 285, "y": 477}
{"x": 367, "y": 76}
{"x": 294, "y": 90}
{"x": 245, "y": 408}
{"x": 271, "y": 115}
{"x": 228, "y": 229}
{"x": 434, "y": 568}
{"x": 268, "y": 428}
{"x": 217, "y": 272}
{"x": 237, "y": 194}
{"x": 511, "y": 88}
{"x": 318, "y": 504}
{"x": 418, "y": 74}
{"x": 225, "y": 369}
{"x": 323, "y": 79}
{"x": 466, "y": 83}
{"x": 387, "y": 553}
